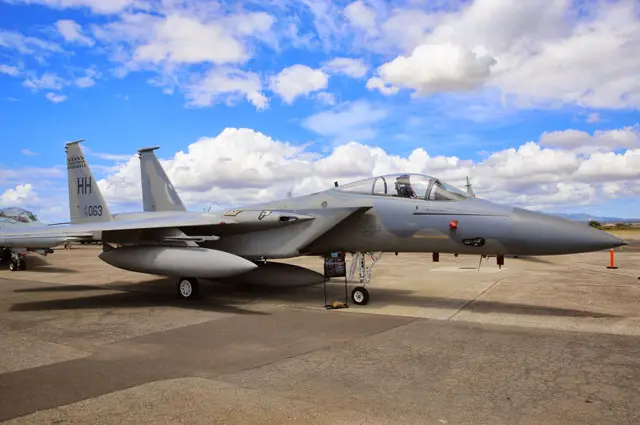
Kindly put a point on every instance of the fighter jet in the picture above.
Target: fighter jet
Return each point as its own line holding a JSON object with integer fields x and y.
{"x": 14, "y": 218}
{"x": 390, "y": 213}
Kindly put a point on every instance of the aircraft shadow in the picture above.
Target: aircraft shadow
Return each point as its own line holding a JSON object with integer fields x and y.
{"x": 49, "y": 269}
{"x": 386, "y": 296}
{"x": 128, "y": 299}
{"x": 61, "y": 288}
{"x": 392, "y": 297}
{"x": 534, "y": 259}
{"x": 38, "y": 264}
{"x": 290, "y": 283}
{"x": 273, "y": 282}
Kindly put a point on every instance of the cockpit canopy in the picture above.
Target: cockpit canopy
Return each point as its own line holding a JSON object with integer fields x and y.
{"x": 15, "y": 214}
{"x": 413, "y": 186}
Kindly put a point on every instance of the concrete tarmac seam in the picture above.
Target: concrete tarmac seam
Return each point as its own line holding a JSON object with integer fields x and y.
{"x": 329, "y": 347}
{"x": 465, "y": 305}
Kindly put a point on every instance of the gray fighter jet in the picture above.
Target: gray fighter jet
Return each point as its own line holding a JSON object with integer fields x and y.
{"x": 390, "y": 213}
{"x": 14, "y": 219}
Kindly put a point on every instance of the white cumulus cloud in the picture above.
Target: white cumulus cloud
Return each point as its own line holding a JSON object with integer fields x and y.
{"x": 600, "y": 141}
{"x": 19, "y": 195}
{"x": 539, "y": 53}
{"x": 184, "y": 39}
{"x": 361, "y": 16}
{"x": 197, "y": 48}
{"x": 352, "y": 67}
{"x": 96, "y": 6}
{"x": 347, "y": 121}
{"x": 56, "y": 98}
{"x": 9, "y": 70}
{"x": 433, "y": 68}
{"x": 377, "y": 83}
{"x": 47, "y": 81}
{"x": 241, "y": 166}
{"x": 27, "y": 45}
{"x": 71, "y": 31}
{"x": 298, "y": 80}
{"x": 228, "y": 84}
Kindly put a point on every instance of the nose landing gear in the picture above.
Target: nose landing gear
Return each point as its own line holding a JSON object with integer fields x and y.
{"x": 360, "y": 294}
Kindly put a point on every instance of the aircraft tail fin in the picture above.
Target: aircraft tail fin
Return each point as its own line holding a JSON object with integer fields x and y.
{"x": 86, "y": 204}
{"x": 470, "y": 191}
{"x": 158, "y": 193}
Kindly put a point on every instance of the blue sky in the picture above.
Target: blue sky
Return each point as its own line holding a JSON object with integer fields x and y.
{"x": 538, "y": 104}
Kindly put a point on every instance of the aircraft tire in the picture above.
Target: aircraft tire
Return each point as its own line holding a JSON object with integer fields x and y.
{"x": 188, "y": 288}
{"x": 360, "y": 295}
{"x": 13, "y": 266}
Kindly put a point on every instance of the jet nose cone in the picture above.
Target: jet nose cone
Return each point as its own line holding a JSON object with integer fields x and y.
{"x": 542, "y": 234}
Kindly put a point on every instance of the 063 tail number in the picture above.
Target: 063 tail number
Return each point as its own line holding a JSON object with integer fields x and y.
{"x": 93, "y": 210}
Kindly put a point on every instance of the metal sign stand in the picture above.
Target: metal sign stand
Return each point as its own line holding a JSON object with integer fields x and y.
{"x": 335, "y": 266}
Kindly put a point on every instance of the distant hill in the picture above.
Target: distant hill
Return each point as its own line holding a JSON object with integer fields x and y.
{"x": 587, "y": 217}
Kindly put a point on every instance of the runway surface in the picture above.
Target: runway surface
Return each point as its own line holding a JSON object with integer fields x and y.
{"x": 551, "y": 340}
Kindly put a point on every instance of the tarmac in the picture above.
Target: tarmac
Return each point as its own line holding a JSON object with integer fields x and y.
{"x": 542, "y": 340}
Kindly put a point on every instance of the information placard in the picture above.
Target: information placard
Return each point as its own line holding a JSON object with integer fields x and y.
{"x": 335, "y": 265}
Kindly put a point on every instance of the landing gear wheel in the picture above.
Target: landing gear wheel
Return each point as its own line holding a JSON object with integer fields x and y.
{"x": 188, "y": 288}
{"x": 22, "y": 265}
{"x": 360, "y": 295}
{"x": 13, "y": 266}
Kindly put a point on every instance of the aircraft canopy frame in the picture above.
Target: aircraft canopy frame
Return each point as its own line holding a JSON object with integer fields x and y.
{"x": 18, "y": 215}
{"x": 406, "y": 185}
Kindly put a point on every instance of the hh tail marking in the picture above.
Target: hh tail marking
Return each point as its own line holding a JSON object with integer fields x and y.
{"x": 84, "y": 185}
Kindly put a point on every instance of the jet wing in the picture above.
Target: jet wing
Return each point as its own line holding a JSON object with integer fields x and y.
{"x": 191, "y": 221}
{"x": 289, "y": 241}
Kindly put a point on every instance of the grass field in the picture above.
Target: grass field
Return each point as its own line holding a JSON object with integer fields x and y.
{"x": 622, "y": 233}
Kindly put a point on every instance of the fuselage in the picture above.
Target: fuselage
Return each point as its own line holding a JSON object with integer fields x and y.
{"x": 470, "y": 226}
{"x": 392, "y": 224}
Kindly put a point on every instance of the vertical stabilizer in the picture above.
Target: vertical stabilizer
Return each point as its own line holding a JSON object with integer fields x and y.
{"x": 158, "y": 194}
{"x": 470, "y": 191}
{"x": 86, "y": 204}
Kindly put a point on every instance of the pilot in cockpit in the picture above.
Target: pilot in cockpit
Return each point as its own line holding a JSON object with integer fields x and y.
{"x": 403, "y": 187}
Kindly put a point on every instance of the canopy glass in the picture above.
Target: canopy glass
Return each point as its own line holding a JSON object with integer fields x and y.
{"x": 413, "y": 186}
{"x": 17, "y": 214}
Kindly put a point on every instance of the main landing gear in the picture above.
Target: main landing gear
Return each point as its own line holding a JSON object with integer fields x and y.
{"x": 17, "y": 261}
{"x": 360, "y": 294}
{"x": 188, "y": 288}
